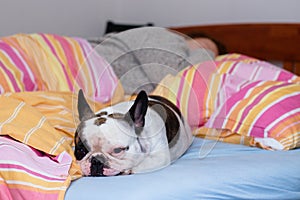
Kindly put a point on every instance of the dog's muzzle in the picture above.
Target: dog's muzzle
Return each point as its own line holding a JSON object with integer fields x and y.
{"x": 97, "y": 165}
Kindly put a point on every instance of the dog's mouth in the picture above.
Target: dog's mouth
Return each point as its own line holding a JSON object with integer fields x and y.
{"x": 106, "y": 171}
{"x": 100, "y": 168}
{"x": 111, "y": 172}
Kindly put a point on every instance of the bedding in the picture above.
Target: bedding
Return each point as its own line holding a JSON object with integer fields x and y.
{"x": 206, "y": 93}
{"x": 47, "y": 62}
{"x": 265, "y": 110}
{"x": 38, "y": 158}
{"x": 142, "y": 57}
{"x": 229, "y": 171}
{"x": 40, "y": 76}
{"x": 26, "y": 173}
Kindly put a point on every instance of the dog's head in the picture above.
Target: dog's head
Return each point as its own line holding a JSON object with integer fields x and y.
{"x": 107, "y": 143}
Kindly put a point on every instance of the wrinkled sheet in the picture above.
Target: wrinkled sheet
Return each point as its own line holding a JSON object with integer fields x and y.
{"x": 208, "y": 170}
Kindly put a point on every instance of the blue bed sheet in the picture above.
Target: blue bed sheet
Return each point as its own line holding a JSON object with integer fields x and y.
{"x": 208, "y": 170}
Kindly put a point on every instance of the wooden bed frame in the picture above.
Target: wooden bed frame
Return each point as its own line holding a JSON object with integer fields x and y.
{"x": 272, "y": 42}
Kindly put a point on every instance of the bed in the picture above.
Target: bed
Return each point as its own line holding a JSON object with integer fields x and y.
{"x": 272, "y": 42}
{"x": 212, "y": 168}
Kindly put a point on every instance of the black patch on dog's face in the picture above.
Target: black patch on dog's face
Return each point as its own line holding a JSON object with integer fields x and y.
{"x": 80, "y": 147}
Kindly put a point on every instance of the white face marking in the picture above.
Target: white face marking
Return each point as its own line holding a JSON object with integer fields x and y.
{"x": 103, "y": 139}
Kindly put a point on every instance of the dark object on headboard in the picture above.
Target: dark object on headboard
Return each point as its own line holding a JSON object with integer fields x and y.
{"x": 112, "y": 27}
{"x": 273, "y": 42}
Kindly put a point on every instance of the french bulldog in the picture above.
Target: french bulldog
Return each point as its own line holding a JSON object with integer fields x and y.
{"x": 130, "y": 137}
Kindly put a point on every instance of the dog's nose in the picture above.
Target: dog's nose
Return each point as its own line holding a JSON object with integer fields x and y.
{"x": 97, "y": 164}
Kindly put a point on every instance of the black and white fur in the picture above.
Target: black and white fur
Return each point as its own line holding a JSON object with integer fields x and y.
{"x": 130, "y": 137}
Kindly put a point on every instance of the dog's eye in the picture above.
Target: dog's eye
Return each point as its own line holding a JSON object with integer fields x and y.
{"x": 120, "y": 149}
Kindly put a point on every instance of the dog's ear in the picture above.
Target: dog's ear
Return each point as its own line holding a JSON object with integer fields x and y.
{"x": 84, "y": 110}
{"x": 138, "y": 110}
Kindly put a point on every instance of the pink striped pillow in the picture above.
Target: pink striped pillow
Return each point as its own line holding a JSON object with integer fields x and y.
{"x": 268, "y": 111}
{"x": 47, "y": 62}
{"x": 200, "y": 89}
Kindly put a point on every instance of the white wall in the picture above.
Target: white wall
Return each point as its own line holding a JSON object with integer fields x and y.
{"x": 87, "y": 18}
{"x": 68, "y": 17}
{"x": 191, "y": 12}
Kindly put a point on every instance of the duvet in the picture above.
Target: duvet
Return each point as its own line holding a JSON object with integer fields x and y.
{"x": 238, "y": 99}
{"x": 38, "y": 75}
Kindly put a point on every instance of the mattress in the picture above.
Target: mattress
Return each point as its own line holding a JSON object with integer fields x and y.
{"x": 208, "y": 170}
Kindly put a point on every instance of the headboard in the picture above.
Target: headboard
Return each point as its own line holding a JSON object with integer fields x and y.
{"x": 273, "y": 42}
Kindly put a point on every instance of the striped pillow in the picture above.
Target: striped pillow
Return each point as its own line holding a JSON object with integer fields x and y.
{"x": 200, "y": 89}
{"x": 268, "y": 111}
{"x": 47, "y": 62}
